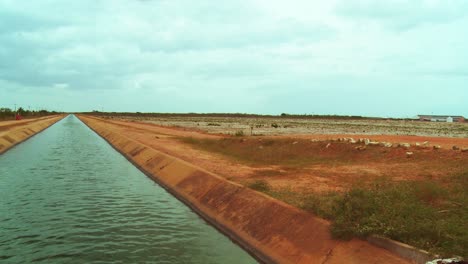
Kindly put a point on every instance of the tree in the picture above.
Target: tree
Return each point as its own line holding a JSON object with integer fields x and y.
{"x": 21, "y": 111}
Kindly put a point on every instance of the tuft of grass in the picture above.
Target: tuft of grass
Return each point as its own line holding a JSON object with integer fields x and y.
{"x": 321, "y": 204}
{"x": 260, "y": 185}
{"x": 239, "y": 133}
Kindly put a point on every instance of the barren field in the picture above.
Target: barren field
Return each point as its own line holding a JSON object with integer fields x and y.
{"x": 267, "y": 126}
{"x": 410, "y": 186}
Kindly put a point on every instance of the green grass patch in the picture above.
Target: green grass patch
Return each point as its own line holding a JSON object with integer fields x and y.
{"x": 422, "y": 214}
{"x": 260, "y": 185}
{"x": 252, "y": 151}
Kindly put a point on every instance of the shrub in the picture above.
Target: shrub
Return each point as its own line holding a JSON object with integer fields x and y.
{"x": 402, "y": 211}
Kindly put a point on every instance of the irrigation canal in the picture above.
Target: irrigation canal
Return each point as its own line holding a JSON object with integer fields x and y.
{"x": 66, "y": 196}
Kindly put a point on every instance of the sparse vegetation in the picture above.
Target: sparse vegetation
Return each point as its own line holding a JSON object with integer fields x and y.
{"x": 9, "y": 114}
{"x": 239, "y": 133}
{"x": 260, "y": 185}
{"x": 423, "y": 214}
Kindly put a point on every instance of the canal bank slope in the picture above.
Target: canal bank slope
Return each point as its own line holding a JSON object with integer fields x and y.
{"x": 274, "y": 232}
{"x": 15, "y": 132}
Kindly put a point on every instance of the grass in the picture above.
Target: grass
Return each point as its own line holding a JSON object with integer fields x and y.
{"x": 260, "y": 185}
{"x": 422, "y": 214}
{"x": 253, "y": 151}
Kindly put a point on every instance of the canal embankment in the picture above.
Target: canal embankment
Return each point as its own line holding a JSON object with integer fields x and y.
{"x": 15, "y": 132}
{"x": 272, "y": 231}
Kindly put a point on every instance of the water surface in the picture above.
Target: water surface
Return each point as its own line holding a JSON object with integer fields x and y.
{"x": 66, "y": 196}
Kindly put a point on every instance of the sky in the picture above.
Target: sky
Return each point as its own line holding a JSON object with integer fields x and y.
{"x": 393, "y": 58}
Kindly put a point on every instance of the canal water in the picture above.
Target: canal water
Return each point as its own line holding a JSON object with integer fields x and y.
{"x": 66, "y": 196}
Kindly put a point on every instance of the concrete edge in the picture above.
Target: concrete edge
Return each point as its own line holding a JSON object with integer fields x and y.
{"x": 20, "y": 129}
{"x": 403, "y": 250}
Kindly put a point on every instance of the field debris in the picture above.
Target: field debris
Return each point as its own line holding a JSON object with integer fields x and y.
{"x": 409, "y": 154}
{"x": 328, "y": 145}
{"x": 360, "y": 148}
{"x": 436, "y": 147}
{"x": 405, "y": 145}
{"x": 464, "y": 150}
{"x": 455, "y": 148}
{"x": 456, "y": 260}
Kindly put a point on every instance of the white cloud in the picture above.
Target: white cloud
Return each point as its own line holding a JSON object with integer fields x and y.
{"x": 236, "y": 56}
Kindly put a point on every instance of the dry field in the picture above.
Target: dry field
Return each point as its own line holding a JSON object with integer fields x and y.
{"x": 267, "y": 126}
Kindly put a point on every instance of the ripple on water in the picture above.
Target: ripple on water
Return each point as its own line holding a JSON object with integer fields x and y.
{"x": 67, "y": 196}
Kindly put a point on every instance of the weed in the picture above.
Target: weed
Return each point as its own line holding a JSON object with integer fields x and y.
{"x": 239, "y": 133}
{"x": 260, "y": 185}
{"x": 403, "y": 211}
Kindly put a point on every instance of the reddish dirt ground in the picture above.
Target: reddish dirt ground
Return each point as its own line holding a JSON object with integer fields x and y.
{"x": 331, "y": 175}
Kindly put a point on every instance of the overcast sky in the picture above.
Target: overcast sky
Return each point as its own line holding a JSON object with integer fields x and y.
{"x": 374, "y": 58}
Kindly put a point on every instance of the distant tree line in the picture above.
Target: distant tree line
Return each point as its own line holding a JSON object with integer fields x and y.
{"x": 9, "y": 114}
{"x": 240, "y": 115}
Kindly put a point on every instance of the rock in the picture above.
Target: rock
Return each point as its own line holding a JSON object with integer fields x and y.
{"x": 455, "y": 148}
{"x": 295, "y": 142}
{"x": 436, "y": 147}
{"x": 388, "y": 145}
{"x": 352, "y": 141}
{"x": 464, "y": 150}
{"x": 367, "y": 141}
{"x": 409, "y": 154}
{"x": 455, "y": 260}
{"x": 405, "y": 145}
{"x": 417, "y": 144}
{"x": 425, "y": 143}
{"x": 328, "y": 145}
{"x": 360, "y": 148}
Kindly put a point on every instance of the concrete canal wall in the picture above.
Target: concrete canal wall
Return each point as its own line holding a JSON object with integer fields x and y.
{"x": 272, "y": 231}
{"x": 20, "y": 133}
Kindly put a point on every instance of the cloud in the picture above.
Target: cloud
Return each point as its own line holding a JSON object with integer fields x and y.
{"x": 403, "y": 14}
{"x": 248, "y": 55}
